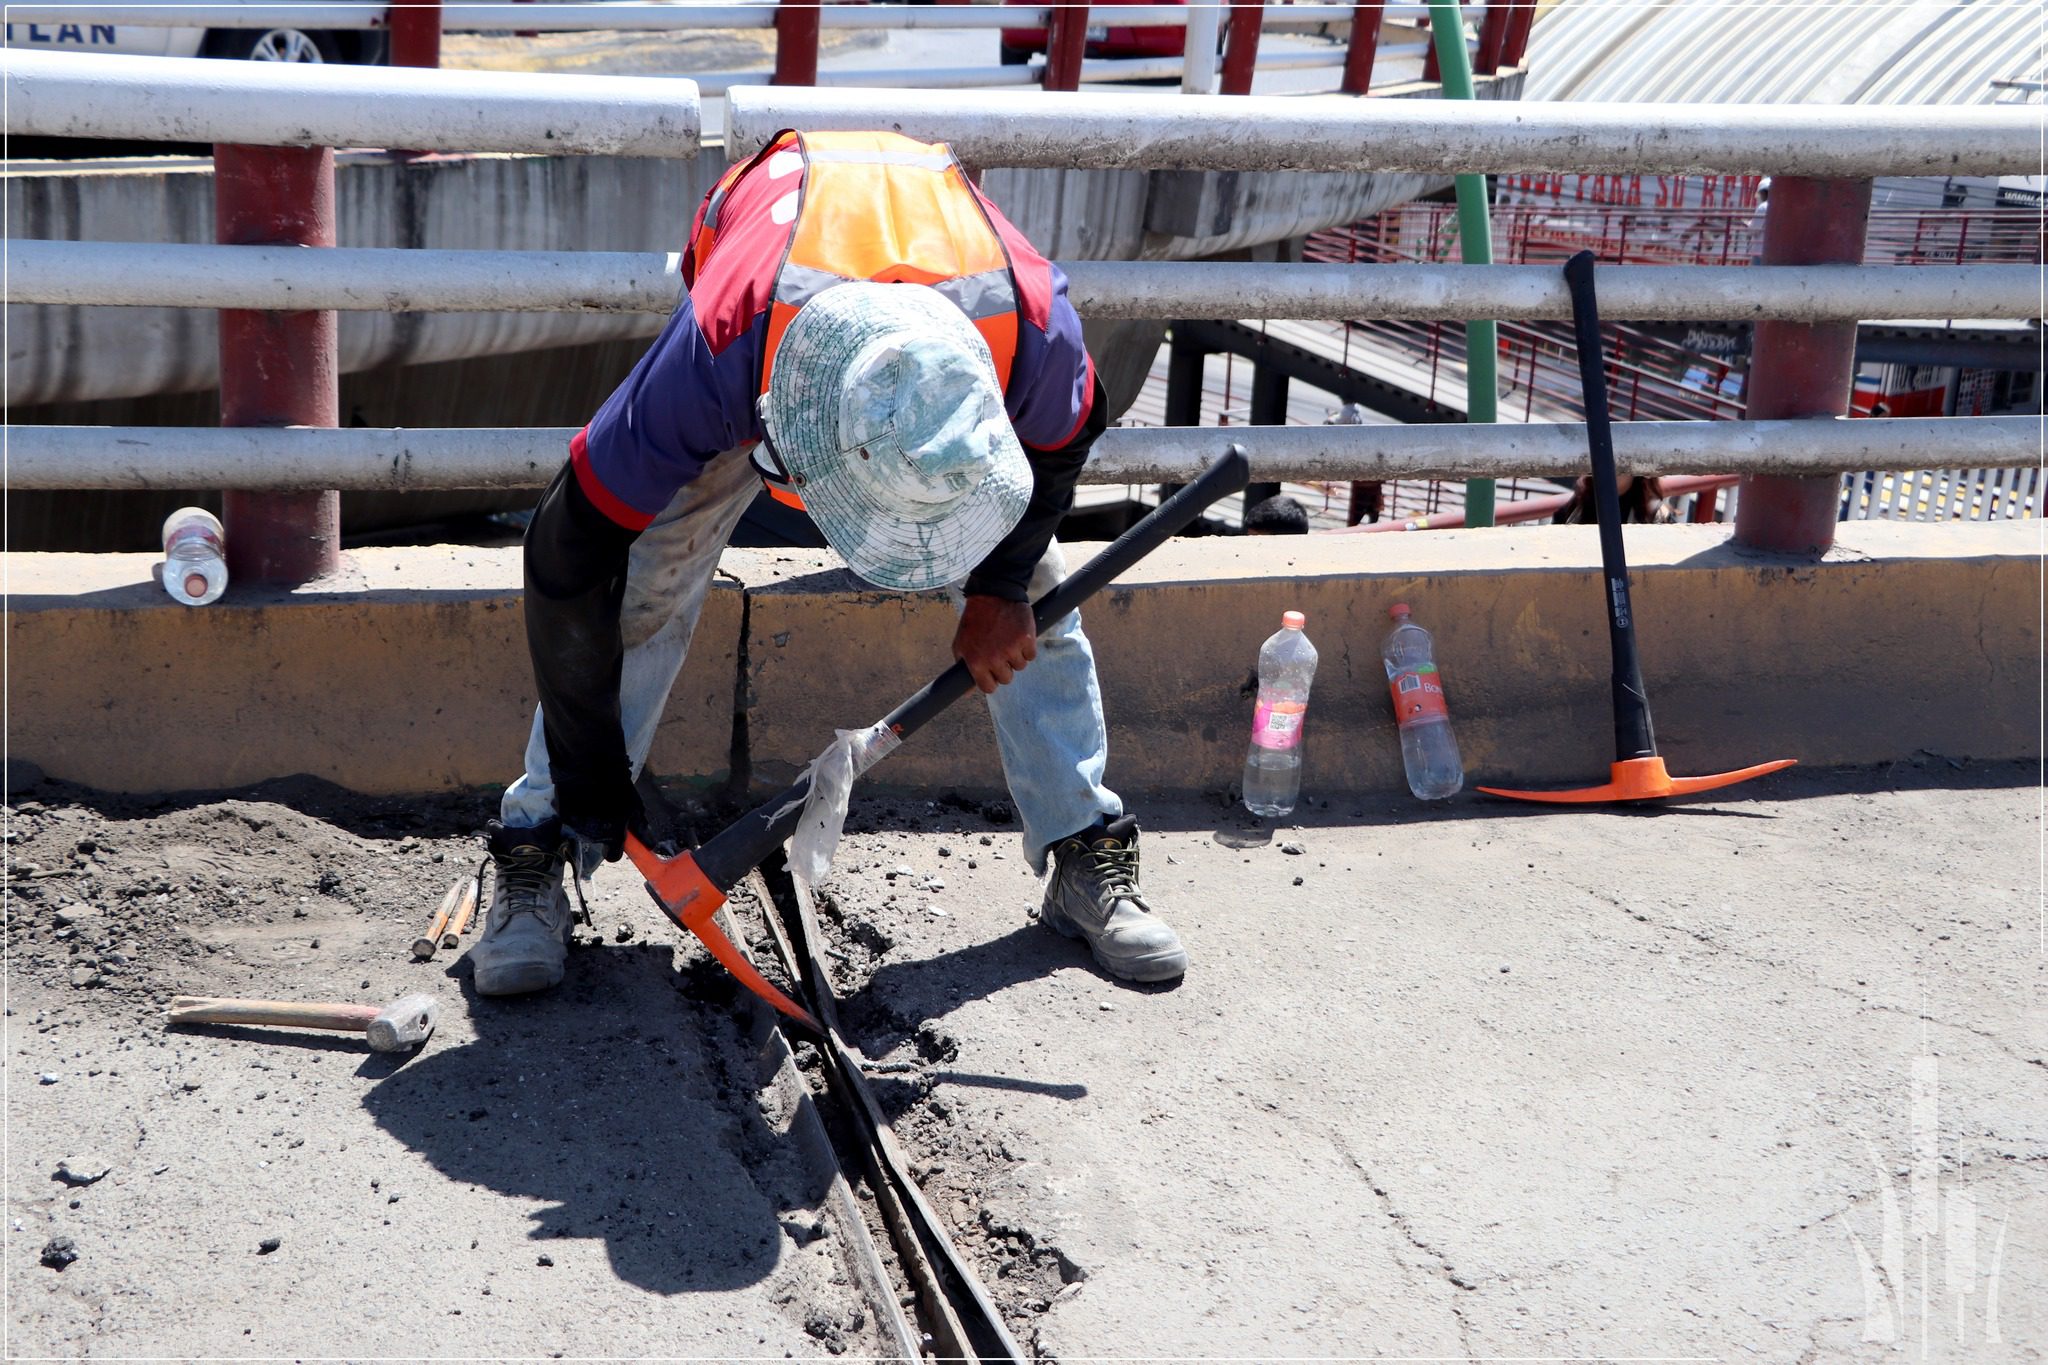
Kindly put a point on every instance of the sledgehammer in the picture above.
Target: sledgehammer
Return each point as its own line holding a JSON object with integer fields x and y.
{"x": 691, "y": 887}
{"x": 402, "y": 1024}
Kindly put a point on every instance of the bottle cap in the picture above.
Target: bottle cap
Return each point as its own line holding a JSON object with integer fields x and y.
{"x": 1293, "y": 620}
{"x": 196, "y": 585}
{"x": 1398, "y": 610}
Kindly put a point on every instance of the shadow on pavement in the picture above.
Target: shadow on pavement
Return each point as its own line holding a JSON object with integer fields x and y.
{"x": 619, "y": 1099}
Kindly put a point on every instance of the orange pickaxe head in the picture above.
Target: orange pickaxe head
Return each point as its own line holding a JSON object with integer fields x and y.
{"x": 1642, "y": 779}
{"x": 691, "y": 899}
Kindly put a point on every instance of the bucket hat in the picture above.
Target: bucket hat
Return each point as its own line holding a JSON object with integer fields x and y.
{"x": 883, "y": 412}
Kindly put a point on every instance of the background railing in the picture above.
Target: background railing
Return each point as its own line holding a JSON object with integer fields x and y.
{"x": 299, "y": 112}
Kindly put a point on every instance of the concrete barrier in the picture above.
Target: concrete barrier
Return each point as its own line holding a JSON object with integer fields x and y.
{"x": 1909, "y": 637}
{"x": 416, "y": 680}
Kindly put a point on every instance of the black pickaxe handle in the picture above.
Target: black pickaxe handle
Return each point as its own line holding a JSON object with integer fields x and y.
{"x": 1633, "y": 735}
{"x": 691, "y": 887}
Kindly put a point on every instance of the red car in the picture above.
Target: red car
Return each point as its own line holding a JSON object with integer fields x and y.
{"x": 1020, "y": 45}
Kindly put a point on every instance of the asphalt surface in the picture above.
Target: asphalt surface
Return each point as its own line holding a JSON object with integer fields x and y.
{"x": 1759, "y": 1078}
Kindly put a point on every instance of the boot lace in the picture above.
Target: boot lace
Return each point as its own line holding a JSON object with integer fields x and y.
{"x": 522, "y": 881}
{"x": 1114, "y": 866}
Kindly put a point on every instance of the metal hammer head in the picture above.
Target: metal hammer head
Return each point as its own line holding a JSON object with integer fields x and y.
{"x": 403, "y": 1023}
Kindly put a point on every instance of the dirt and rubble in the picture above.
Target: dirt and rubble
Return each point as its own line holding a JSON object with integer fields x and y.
{"x": 601, "y": 1171}
{"x": 1469, "y": 1080}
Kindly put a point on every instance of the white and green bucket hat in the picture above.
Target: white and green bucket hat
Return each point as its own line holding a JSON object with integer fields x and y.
{"x": 886, "y": 417}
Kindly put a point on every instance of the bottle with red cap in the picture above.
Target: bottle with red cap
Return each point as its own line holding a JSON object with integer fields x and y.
{"x": 195, "y": 568}
{"x": 1429, "y": 750}
{"x": 1272, "y": 769}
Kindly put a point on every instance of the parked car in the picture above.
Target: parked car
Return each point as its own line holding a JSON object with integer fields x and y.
{"x": 1020, "y": 45}
{"x": 282, "y": 44}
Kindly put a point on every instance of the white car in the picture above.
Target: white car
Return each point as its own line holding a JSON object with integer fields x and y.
{"x": 104, "y": 31}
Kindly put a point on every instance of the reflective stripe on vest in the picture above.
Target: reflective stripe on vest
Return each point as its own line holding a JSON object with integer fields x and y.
{"x": 883, "y": 207}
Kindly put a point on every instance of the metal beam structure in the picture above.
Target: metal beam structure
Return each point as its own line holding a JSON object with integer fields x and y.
{"x": 1338, "y": 133}
{"x": 277, "y": 104}
{"x": 399, "y": 280}
{"x": 294, "y": 459}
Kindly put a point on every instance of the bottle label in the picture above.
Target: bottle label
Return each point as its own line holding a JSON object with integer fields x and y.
{"x": 1418, "y": 696}
{"x": 190, "y": 531}
{"x": 1277, "y": 724}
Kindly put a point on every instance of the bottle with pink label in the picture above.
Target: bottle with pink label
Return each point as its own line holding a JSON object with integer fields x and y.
{"x": 195, "y": 567}
{"x": 1429, "y": 751}
{"x": 1272, "y": 769}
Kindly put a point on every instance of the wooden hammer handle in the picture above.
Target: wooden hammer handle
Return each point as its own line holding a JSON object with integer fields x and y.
{"x": 423, "y": 947}
{"x": 201, "y": 1009}
{"x": 464, "y": 908}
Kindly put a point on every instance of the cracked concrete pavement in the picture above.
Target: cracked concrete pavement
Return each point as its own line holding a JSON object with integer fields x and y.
{"x": 1487, "y": 1080}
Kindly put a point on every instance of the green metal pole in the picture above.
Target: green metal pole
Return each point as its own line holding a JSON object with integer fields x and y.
{"x": 1475, "y": 240}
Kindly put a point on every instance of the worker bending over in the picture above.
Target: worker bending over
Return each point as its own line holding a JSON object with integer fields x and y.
{"x": 867, "y": 334}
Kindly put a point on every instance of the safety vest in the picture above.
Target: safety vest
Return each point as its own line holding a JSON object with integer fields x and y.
{"x": 882, "y": 207}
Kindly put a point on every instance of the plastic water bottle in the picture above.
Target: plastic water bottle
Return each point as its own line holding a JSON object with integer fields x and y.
{"x": 1272, "y": 769}
{"x": 195, "y": 569}
{"x": 1428, "y": 748}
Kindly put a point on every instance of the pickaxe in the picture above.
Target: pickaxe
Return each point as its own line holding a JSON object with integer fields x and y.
{"x": 690, "y": 887}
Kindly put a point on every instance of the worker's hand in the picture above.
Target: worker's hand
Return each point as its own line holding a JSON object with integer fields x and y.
{"x": 995, "y": 640}
{"x": 602, "y": 815}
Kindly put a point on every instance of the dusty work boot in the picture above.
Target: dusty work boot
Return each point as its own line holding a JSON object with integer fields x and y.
{"x": 524, "y": 940}
{"x": 1094, "y": 895}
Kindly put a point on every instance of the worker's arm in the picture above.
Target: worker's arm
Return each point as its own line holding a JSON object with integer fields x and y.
{"x": 997, "y": 635}
{"x": 1057, "y": 407}
{"x": 680, "y": 406}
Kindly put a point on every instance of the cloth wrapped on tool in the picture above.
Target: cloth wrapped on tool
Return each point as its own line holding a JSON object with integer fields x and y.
{"x": 831, "y": 776}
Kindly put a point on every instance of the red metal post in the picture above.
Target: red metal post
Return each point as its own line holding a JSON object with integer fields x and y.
{"x": 1363, "y": 48}
{"x": 1802, "y": 369}
{"x": 1241, "y": 47}
{"x": 796, "y": 42}
{"x": 1493, "y": 38}
{"x": 416, "y": 33}
{"x": 1521, "y": 18}
{"x": 1066, "y": 45}
{"x": 278, "y": 369}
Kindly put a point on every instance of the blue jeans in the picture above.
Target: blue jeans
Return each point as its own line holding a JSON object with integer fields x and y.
{"x": 1048, "y": 721}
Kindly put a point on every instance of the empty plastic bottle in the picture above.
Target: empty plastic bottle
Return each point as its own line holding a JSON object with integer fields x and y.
{"x": 1272, "y": 769}
{"x": 195, "y": 568}
{"x": 1429, "y": 750}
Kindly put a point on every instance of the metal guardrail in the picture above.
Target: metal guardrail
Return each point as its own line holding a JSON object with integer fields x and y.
{"x": 1336, "y": 133}
{"x": 396, "y": 280}
{"x": 272, "y": 104}
{"x": 306, "y": 458}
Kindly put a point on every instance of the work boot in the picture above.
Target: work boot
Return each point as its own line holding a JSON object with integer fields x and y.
{"x": 1094, "y": 895}
{"x": 524, "y": 941}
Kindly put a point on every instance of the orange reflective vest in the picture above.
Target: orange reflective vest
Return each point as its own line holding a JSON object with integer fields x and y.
{"x": 883, "y": 207}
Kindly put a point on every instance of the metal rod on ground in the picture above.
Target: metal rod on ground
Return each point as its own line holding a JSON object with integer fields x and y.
{"x": 1475, "y": 245}
{"x": 1802, "y": 369}
{"x": 278, "y": 369}
{"x": 1362, "y": 47}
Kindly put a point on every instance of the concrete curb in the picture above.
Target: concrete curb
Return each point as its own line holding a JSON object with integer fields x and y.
{"x": 1909, "y": 637}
